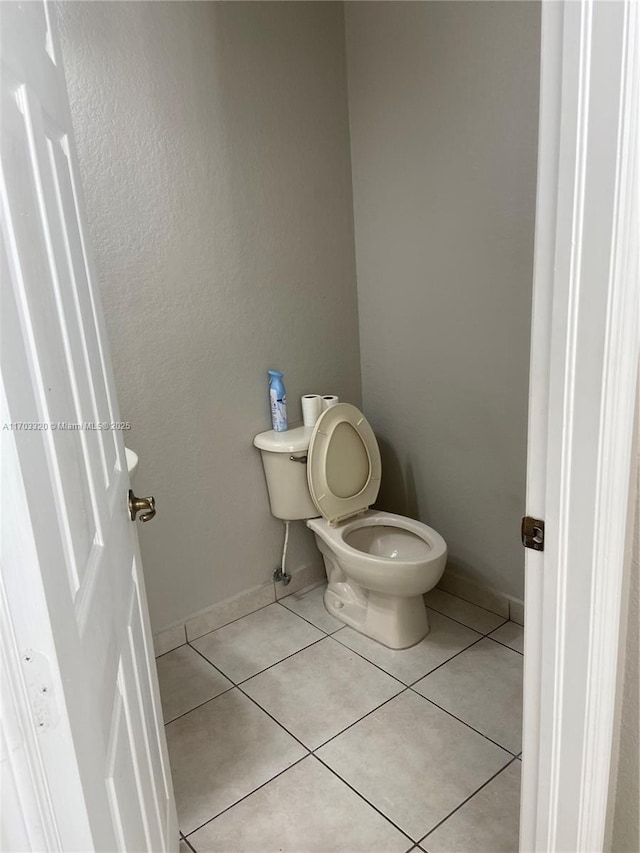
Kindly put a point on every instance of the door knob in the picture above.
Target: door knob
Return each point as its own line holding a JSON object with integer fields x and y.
{"x": 136, "y": 505}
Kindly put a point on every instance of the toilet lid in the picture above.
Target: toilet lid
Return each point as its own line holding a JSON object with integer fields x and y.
{"x": 343, "y": 463}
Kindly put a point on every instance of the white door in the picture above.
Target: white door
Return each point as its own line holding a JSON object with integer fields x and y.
{"x": 89, "y": 768}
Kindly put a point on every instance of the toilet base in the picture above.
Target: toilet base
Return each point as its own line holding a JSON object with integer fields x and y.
{"x": 397, "y": 623}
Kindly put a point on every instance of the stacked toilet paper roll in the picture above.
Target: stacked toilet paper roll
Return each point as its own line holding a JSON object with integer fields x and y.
{"x": 329, "y": 400}
{"x": 313, "y": 405}
{"x": 311, "y": 408}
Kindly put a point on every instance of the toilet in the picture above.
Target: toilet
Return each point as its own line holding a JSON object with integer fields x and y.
{"x": 379, "y": 564}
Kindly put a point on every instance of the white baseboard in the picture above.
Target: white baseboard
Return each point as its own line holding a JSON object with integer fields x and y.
{"x": 217, "y": 615}
{"x": 169, "y": 639}
{"x": 483, "y": 596}
{"x": 302, "y": 578}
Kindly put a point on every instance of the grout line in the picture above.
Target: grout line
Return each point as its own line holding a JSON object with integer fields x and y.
{"x": 415, "y": 692}
{"x": 477, "y": 731}
{"x": 245, "y": 796}
{"x": 396, "y": 677}
{"x": 500, "y": 643}
{"x": 282, "y": 725}
{"x": 271, "y": 665}
{"x": 445, "y": 662}
{"x": 362, "y": 797}
{"x": 303, "y": 591}
{"x": 240, "y": 683}
{"x": 466, "y": 601}
{"x": 199, "y": 705}
{"x": 308, "y": 589}
{"x": 237, "y": 619}
{"x": 464, "y": 624}
{"x": 186, "y": 841}
{"x": 164, "y": 654}
{"x": 177, "y": 647}
{"x": 501, "y": 625}
{"x": 484, "y": 785}
{"x": 304, "y": 618}
{"x": 313, "y": 751}
{"x": 359, "y": 720}
{"x": 197, "y": 651}
{"x": 404, "y": 688}
{"x": 309, "y": 752}
{"x": 362, "y": 657}
{"x": 313, "y": 586}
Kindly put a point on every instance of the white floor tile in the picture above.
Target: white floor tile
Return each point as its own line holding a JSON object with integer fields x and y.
{"x": 221, "y": 752}
{"x": 305, "y": 810}
{"x": 310, "y": 605}
{"x": 184, "y": 847}
{"x": 463, "y": 611}
{"x": 321, "y": 690}
{"x": 510, "y": 634}
{"x": 256, "y": 641}
{"x": 186, "y": 681}
{"x": 445, "y": 639}
{"x": 487, "y": 823}
{"x": 412, "y": 761}
{"x": 483, "y": 687}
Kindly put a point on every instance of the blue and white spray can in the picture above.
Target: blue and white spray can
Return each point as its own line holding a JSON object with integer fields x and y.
{"x": 278, "y": 397}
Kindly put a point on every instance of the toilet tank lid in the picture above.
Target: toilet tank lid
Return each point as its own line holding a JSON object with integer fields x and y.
{"x": 290, "y": 441}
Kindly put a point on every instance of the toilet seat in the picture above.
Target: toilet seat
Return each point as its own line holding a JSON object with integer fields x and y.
{"x": 343, "y": 464}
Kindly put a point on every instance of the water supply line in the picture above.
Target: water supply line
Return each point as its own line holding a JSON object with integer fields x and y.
{"x": 280, "y": 574}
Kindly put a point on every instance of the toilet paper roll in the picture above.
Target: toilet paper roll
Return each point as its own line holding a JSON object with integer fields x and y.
{"x": 311, "y": 408}
{"x": 329, "y": 400}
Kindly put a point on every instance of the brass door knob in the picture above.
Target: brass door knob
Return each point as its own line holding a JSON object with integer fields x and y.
{"x": 136, "y": 505}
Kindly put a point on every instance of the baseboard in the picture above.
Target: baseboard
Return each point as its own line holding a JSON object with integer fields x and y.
{"x": 217, "y": 615}
{"x": 302, "y": 578}
{"x": 483, "y": 596}
{"x": 169, "y": 639}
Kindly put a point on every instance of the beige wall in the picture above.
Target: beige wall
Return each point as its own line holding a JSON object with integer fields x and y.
{"x": 214, "y": 148}
{"x": 214, "y": 151}
{"x": 443, "y": 102}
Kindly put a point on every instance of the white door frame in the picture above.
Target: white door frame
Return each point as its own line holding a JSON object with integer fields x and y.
{"x": 584, "y": 369}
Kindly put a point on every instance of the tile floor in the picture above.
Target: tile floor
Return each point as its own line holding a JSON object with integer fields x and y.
{"x": 288, "y": 731}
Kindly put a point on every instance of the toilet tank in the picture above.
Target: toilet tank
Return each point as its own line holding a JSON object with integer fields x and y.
{"x": 286, "y": 476}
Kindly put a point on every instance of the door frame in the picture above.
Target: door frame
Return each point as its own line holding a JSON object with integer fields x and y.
{"x": 583, "y": 375}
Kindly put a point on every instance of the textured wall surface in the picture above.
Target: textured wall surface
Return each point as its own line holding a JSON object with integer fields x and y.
{"x": 214, "y": 150}
{"x": 443, "y": 103}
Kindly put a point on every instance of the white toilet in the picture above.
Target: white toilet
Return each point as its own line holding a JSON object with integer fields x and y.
{"x": 379, "y": 565}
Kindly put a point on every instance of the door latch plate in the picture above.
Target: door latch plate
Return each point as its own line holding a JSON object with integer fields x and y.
{"x": 533, "y": 533}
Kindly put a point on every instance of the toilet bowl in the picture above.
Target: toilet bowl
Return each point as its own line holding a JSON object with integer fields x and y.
{"x": 379, "y": 564}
